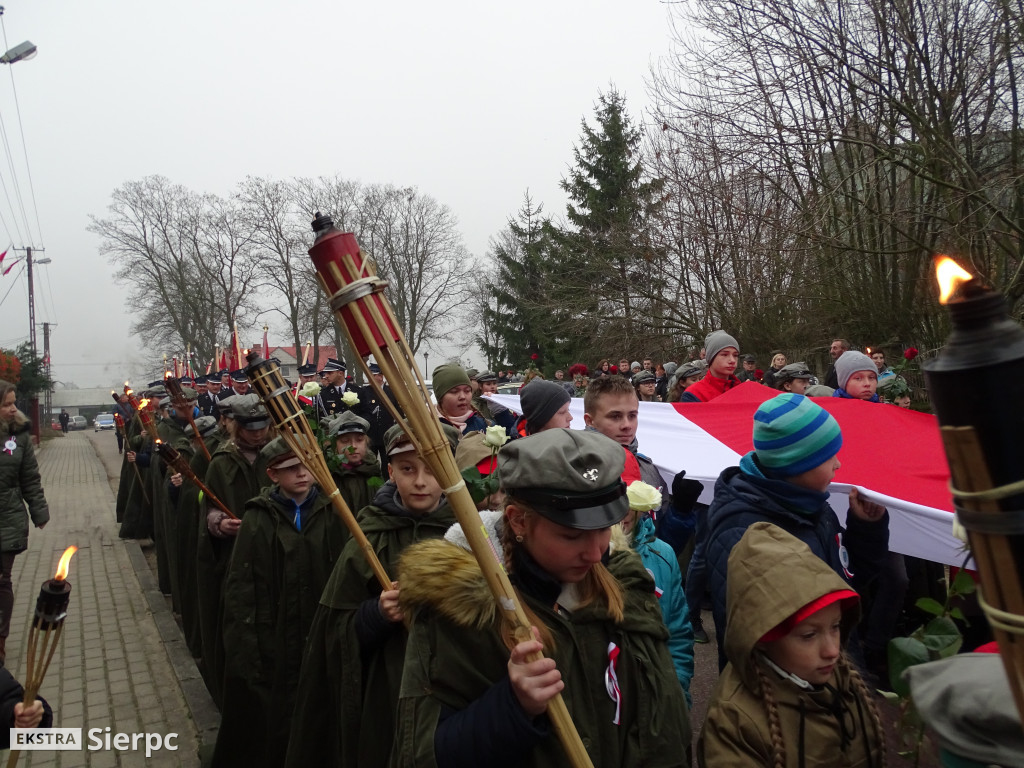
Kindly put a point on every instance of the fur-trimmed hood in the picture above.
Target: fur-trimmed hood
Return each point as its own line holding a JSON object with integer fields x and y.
{"x": 17, "y": 425}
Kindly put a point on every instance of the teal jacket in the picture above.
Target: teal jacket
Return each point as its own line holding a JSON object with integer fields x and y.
{"x": 660, "y": 561}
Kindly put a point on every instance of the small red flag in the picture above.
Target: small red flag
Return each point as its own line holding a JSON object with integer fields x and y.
{"x": 266, "y": 346}
{"x": 13, "y": 265}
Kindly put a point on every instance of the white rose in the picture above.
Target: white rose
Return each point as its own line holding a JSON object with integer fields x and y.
{"x": 310, "y": 389}
{"x": 959, "y": 532}
{"x": 643, "y": 497}
{"x": 495, "y": 437}
{"x": 350, "y": 398}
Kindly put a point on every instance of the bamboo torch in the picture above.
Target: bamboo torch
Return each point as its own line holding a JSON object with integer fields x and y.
{"x": 174, "y": 460}
{"x": 182, "y": 406}
{"x": 133, "y": 401}
{"x": 356, "y": 297}
{"x": 44, "y": 634}
{"x": 267, "y": 381}
{"x": 981, "y": 412}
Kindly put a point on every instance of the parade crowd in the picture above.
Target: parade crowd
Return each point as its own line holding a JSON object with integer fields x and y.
{"x": 312, "y": 662}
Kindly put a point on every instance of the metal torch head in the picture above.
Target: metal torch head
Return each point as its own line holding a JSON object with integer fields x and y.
{"x": 52, "y": 604}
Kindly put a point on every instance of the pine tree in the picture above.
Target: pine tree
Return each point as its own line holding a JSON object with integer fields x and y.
{"x": 520, "y": 323}
{"x": 605, "y": 276}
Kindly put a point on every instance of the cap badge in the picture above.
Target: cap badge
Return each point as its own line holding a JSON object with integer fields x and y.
{"x": 591, "y": 475}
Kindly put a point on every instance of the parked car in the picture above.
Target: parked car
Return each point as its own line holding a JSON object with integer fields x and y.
{"x": 509, "y": 389}
{"x": 78, "y": 422}
{"x": 103, "y": 421}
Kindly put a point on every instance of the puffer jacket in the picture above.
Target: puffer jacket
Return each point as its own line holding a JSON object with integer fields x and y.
{"x": 20, "y": 484}
{"x": 661, "y": 562}
{"x": 743, "y": 496}
{"x": 827, "y": 725}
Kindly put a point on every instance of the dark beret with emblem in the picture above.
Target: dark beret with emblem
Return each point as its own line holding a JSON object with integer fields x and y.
{"x": 249, "y": 412}
{"x": 570, "y": 476}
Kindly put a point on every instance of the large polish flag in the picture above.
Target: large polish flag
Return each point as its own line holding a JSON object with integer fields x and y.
{"x": 891, "y": 455}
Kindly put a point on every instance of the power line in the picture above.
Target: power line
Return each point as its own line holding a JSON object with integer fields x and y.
{"x": 18, "y": 274}
{"x": 7, "y": 150}
{"x": 24, "y": 147}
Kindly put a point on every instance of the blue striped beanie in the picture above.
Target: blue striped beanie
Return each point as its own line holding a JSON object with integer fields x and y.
{"x": 793, "y": 434}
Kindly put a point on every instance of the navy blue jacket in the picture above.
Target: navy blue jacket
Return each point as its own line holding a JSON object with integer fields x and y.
{"x": 742, "y": 499}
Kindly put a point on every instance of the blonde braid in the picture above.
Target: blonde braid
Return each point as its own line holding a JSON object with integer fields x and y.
{"x": 862, "y": 690}
{"x": 771, "y": 709}
{"x": 508, "y": 545}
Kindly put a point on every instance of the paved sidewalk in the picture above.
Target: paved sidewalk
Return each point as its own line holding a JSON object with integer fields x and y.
{"x": 112, "y": 668}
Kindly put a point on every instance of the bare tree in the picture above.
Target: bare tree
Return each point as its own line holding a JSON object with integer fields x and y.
{"x": 157, "y": 236}
{"x": 418, "y": 248}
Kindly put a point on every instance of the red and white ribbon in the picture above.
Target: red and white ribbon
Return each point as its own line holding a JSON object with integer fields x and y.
{"x": 611, "y": 681}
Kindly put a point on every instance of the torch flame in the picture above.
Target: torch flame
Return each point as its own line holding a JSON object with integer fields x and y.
{"x": 167, "y": 374}
{"x": 143, "y": 403}
{"x": 950, "y": 275}
{"x": 65, "y": 560}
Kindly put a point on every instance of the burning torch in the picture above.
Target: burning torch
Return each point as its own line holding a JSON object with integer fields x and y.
{"x": 174, "y": 460}
{"x": 980, "y": 420}
{"x": 43, "y": 636}
{"x": 356, "y": 295}
{"x": 183, "y": 407}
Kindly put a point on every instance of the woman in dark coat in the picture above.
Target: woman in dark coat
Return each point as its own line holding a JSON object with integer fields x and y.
{"x": 20, "y": 484}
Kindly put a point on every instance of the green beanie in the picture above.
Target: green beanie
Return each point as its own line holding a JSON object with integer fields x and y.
{"x": 446, "y": 377}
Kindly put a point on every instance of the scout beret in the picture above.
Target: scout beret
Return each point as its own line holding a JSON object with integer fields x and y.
{"x": 572, "y": 477}
{"x": 248, "y": 411}
{"x": 347, "y": 423}
{"x": 279, "y": 454}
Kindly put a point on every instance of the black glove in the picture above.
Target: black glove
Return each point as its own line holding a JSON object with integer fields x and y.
{"x": 685, "y": 493}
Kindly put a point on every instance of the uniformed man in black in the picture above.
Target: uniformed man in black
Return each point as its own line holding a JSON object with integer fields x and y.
{"x": 223, "y": 390}
{"x": 330, "y": 400}
{"x": 374, "y": 411}
{"x": 239, "y": 382}
{"x": 205, "y": 400}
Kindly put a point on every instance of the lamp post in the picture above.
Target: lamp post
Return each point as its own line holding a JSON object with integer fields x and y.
{"x": 426, "y": 362}
{"x": 21, "y": 52}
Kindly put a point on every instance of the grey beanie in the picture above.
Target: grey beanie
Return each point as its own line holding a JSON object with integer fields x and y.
{"x": 716, "y": 342}
{"x": 849, "y": 363}
{"x": 540, "y": 400}
{"x": 670, "y": 368}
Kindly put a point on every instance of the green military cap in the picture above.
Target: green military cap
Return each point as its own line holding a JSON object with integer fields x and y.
{"x": 396, "y": 441}
{"x": 278, "y": 454}
{"x": 205, "y": 425}
{"x": 249, "y": 412}
{"x": 473, "y": 452}
{"x": 347, "y": 423}
{"x": 473, "y": 373}
{"x": 643, "y": 376}
{"x": 793, "y": 371}
{"x": 572, "y": 477}
{"x": 189, "y": 394}
{"x": 487, "y": 376}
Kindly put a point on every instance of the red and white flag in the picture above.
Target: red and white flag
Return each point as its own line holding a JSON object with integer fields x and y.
{"x": 892, "y": 455}
{"x": 266, "y": 346}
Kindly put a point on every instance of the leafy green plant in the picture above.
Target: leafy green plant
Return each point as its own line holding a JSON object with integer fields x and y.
{"x": 938, "y": 638}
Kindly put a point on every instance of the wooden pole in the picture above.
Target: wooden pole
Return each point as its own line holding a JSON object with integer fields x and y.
{"x": 1002, "y": 576}
{"x": 371, "y": 328}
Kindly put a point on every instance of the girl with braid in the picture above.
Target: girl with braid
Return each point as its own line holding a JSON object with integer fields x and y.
{"x": 789, "y": 696}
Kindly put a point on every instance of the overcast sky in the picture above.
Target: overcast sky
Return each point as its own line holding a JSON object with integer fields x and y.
{"x": 471, "y": 102}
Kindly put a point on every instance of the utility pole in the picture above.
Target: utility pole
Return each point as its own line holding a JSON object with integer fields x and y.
{"x": 31, "y": 304}
{"x": 48, "y": 395}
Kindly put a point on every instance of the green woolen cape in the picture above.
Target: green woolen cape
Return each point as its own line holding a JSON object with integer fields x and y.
{"x": 186, "y": 519}
{"x": 234, "y": 481}
{"x": 171, "y": 432}
{"x": 271, "y": 592}
{"x": 137, "y": 517}
{"x": 344, "y": 710}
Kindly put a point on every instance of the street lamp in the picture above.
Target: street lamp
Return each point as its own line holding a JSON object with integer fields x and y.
{"x": 22, "y": 52}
